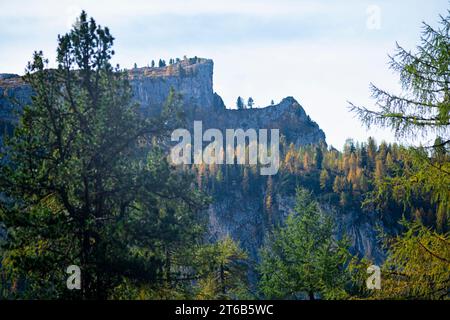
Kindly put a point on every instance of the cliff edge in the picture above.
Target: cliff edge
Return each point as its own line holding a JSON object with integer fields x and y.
{"x": 193, "y": 79}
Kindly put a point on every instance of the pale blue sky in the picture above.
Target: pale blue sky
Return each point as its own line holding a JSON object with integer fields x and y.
{"x": 321, "y": 52}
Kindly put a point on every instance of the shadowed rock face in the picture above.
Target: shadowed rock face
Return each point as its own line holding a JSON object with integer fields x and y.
{"x": 242, "y": 216}
{"x": 288, "y": 116}
{"x": 14, "y": 94}
{"x": 235, "y": 214}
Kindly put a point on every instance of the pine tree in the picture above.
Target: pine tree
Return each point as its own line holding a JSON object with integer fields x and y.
{"x": 423, "y": 109}
{"x": 290, "y": 159}
{"x": 77, "y": 187}
{"x": 306, "y": 161}
{"x": 371, "y": 153}
{"x": 318, "y": 158}
{"x": 302, "y": 258}
{"x": 324, "y": 179}
{"x": 417, "y": 265}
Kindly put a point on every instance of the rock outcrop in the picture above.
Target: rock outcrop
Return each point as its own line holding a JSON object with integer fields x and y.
{"x": 14, "y": 94}
{"x": 190, "y": 77}
{"x": 193, "y": 79}
{"x": 243, "y": 217}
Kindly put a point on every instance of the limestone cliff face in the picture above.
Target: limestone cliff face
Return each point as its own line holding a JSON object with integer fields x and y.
{"x": 242, "y": 216}
{"x": 193, "y": 79}
{"x": 288, "y": 116}
{"x": 14, "y": 93}
{"x": 358, "y": 228}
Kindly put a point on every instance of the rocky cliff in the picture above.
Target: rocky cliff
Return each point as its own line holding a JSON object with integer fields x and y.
{"x": 190, "y": 77}
{"x": 193, "y": 78}
{"x": 242, "y": 216}
{"x": 234, "y": 213}
{"x": 14, "y": 94}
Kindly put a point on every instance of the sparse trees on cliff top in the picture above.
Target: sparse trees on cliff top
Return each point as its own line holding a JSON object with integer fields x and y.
{"x": 161, "y": 63}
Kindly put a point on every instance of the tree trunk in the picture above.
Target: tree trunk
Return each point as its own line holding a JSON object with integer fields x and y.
{"x": 222, "y": 279}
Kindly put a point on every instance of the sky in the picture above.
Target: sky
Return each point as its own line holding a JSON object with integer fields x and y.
{"x": 324, "y": 53}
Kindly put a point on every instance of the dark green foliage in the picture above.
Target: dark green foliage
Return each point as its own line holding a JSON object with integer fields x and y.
{"x": 161, "y": 63}
{"x": 85, "y": 181}
{"x": 301, "y": 259}
{"x": 221, "y": 269}
{"x": 240, "y": 103}
{"x": 250, "y": 102}
{"x": 417, "y": 265}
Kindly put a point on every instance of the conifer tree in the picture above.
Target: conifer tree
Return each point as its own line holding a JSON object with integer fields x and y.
{"x": 418, "y": 264}
{"x": 423, "y": 109}
{"x": 78, "y": 189}
{"x": 302, "y": 258}
{"x": 250, "y": 102}
{"x": 240, "y": 103}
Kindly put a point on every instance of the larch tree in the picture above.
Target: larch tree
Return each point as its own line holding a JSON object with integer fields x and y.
{"x": 418, "y": 264}
{"x": 302, "y": 258}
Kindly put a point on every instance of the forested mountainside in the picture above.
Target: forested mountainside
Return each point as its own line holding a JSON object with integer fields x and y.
{"x": 86, "y": 182}
{"x": 247, "y": 205}
{"x": 193, "y": 79}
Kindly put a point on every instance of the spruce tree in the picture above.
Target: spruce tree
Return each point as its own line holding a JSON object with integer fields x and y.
{"x": 250, "y": 102}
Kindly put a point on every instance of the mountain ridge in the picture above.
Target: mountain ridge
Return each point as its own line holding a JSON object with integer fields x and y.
{"x": 193, "y": 79}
